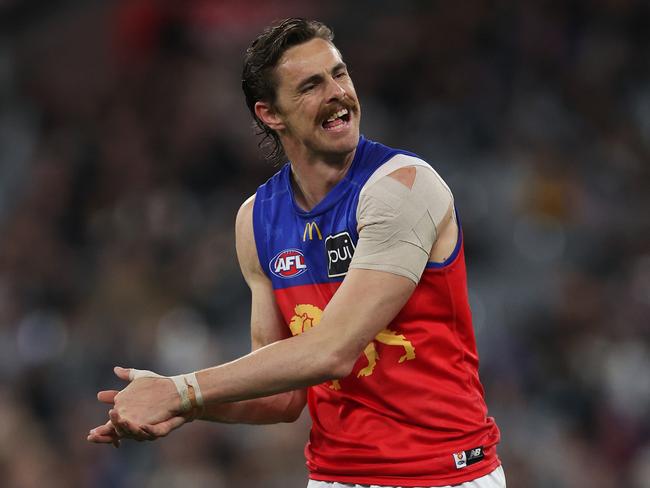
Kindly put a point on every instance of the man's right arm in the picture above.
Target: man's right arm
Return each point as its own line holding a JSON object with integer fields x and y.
{"x": 267, "y": 326}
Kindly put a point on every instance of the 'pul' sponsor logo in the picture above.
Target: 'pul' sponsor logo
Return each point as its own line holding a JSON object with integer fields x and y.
{"x": 340, "y": 250}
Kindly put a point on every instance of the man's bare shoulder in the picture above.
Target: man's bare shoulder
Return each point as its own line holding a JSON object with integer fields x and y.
{"x": 245, "y": 212}
{"x": 245, "y": 241}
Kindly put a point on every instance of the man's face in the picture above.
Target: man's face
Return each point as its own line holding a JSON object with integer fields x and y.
{"x": 316, "y": 102}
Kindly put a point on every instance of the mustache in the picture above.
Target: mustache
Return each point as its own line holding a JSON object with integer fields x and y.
{"x": 326, "y": 112}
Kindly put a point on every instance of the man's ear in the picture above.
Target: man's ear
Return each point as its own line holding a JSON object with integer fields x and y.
{"x": 269, "y": 115}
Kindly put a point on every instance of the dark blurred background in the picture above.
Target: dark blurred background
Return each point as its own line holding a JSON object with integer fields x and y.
{"x": 126, "y": 149}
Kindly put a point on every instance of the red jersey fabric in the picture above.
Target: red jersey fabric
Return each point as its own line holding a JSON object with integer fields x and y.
{"x": 412, "y": 412}
{"x": 403, "y": 423}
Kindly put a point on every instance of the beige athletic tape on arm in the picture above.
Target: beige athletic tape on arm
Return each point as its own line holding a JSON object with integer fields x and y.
{"x": 190, "y": 380}
{"x": 134, "y": 374}
{"x": 182, "y": 382}
{"x": 397, "y": 225}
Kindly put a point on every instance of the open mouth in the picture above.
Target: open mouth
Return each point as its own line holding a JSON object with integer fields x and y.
{"x": 337, "y": 120}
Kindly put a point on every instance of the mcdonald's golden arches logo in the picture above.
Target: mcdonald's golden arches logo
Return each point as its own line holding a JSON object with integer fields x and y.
{"x": 310, "y": 227}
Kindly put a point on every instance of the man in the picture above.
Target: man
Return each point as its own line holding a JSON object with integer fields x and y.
{"x": 354, "y": 258}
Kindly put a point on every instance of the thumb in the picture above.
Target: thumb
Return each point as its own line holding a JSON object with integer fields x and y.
{"x": 131, "y": 374}
{"x": 122, "y": 373}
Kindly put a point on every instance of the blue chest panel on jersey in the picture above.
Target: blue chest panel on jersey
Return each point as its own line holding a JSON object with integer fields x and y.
{"x": 296, "y": 247}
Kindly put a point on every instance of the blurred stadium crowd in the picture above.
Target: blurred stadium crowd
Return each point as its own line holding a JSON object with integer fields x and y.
{"x": 126, "y": 149}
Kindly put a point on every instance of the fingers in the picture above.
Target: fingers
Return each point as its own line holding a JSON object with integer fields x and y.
{"x": 122, "y": 373}
{"x": 124, "y": 428}
{"x": 105, "y": 429}
{"x": 109, "y": 433}
{"x": 163, "y": 428}
{"x": 116, "y": 428}
{"x": 107, "y": 396}
{"x": 104, "y": 439}
{"x": 104, "y": 434}
{"x": 121, "y": 426}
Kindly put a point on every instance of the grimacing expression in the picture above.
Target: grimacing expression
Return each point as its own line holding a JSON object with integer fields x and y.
{"x": 316, "y": 104}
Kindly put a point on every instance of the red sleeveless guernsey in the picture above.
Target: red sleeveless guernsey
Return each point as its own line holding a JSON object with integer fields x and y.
{"x": 412, "y": 411}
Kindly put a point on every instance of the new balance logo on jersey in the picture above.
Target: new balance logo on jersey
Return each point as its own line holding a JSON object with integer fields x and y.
{"x": 475, "y": 454}
{"x": 463, "y": 459}
{"x": 340, "y": 250}
{"x": 288, "y": 264}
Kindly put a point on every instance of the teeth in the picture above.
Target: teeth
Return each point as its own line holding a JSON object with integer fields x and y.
{"x": 338, "y": 114}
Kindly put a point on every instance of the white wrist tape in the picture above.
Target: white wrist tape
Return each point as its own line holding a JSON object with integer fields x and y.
{"x": 191, "y": 380}
{"x": 182, "y": 383}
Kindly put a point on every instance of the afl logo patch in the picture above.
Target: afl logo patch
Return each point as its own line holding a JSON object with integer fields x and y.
{"x": 288, "y": 264}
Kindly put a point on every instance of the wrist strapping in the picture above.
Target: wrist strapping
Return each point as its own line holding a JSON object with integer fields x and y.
{"x": 183, "y": 382}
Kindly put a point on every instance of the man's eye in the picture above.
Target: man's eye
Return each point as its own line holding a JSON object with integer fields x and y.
{"x": 308, "y": 88}
{"x": 341, "y": 74}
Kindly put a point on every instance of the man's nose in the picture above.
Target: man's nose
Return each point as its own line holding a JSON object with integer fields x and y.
{"x": 335, "y": 91}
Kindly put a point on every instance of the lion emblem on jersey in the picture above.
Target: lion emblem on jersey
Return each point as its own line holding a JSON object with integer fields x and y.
{"x": 307, "y": 316}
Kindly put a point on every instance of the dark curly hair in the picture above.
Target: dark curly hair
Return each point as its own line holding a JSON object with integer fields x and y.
{"x": 260, "y": 60}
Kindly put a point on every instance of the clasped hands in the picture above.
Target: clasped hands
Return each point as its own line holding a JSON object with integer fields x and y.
{"x": 150, "y": 406}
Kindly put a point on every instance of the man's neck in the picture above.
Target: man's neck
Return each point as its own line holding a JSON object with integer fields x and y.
{"x": 312, "y": 180}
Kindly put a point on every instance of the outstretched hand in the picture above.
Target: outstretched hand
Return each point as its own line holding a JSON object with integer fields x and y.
{"x": 148, "y": 408}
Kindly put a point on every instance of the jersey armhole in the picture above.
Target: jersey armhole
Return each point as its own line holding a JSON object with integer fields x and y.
{"x": 454, "y": 253}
